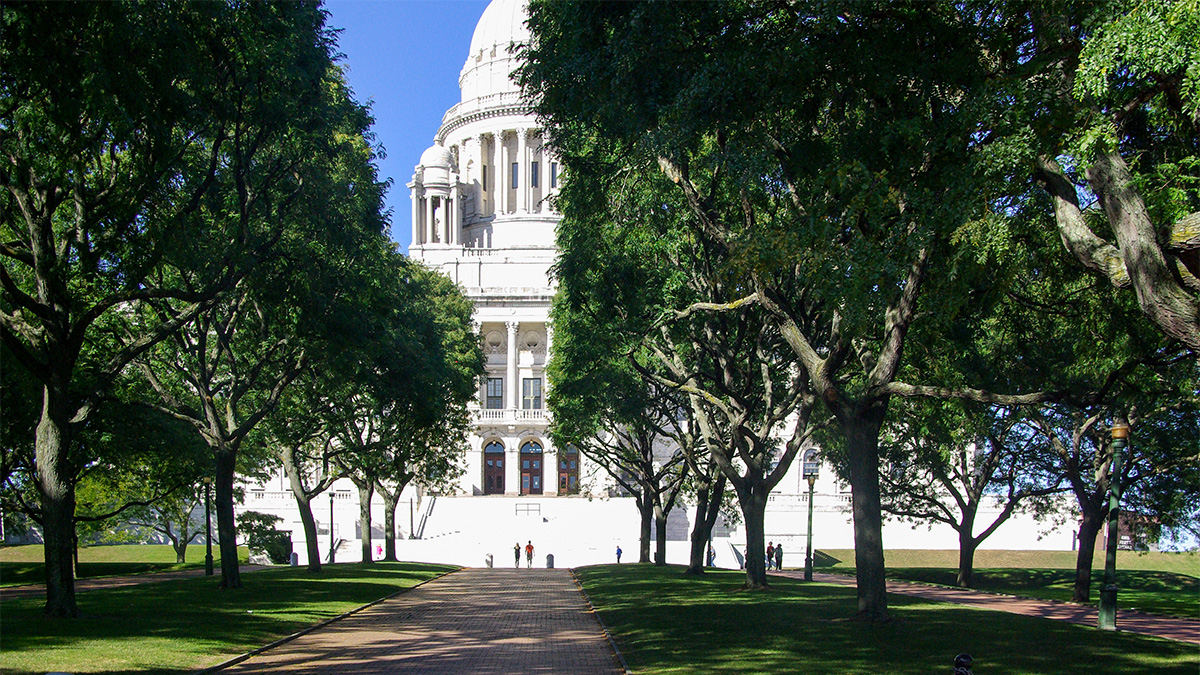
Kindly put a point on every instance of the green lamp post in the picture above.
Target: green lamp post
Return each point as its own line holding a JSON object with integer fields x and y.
{"x": 1108, "y": 594}
{"x": 208, "y": 557}
{"x": 812, "y": 468}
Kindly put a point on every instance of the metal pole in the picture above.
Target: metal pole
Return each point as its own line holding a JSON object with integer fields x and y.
{"x": 1108, "y": 595}
{"x": 331, "y": 527}
{"x": 808, "y": 558}
{"x": 208, "y": 559}
{"x": 410, "y": 518}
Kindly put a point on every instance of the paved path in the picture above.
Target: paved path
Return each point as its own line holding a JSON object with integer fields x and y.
{"x": 471, "y": 621}
{"x": 1185, "y": 630}
{"x": 90, "y": 583}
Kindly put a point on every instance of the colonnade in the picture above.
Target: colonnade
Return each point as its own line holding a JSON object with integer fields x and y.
{"x": 496, "y": 173}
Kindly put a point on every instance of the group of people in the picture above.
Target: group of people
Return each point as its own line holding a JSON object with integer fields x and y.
{"x": 774, "y": 556}
{"x": 528, "y": 554}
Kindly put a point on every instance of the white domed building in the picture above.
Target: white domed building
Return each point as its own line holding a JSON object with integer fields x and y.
{"x": 481, "y": 214}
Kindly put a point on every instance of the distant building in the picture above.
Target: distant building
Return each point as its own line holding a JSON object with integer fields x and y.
{"x": 481, "y": 215}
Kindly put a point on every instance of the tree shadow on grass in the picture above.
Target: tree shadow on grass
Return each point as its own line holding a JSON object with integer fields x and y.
{"x": 668, "y": 624}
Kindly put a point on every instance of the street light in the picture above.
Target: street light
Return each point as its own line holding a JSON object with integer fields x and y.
{"x": 331, "y": 527}
{"x": 208, "y": 559}
{"x": 812, "y": 468}
{"x": 1108, "y": 595}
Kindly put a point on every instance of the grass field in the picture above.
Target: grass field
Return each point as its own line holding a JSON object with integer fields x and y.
{"x": 669, "y": 624}
{"x": 1160, "y": 583}
{"x": 25, "y": 564}
{"x": 174, "y": 626}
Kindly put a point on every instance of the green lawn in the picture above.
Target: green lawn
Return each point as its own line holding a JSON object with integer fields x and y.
{"x": 666, "y": 623}
{"x": 1160, "y": 583}
{"x": 174, "y": 626}
{"x": 25, "y": 564}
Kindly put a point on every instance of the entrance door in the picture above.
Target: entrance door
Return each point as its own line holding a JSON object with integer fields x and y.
{"x": 493, "y": 469}
{"x": 531, "y": 468}
{"x": 568, "y": 470}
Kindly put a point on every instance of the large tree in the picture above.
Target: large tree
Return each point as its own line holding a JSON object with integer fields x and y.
{"x": 824, "y": 151}
{"x": 1099, "y": 103}
{"x": 138, "y": 140}
{"x": 313, "y": 203}
{"x": 948, "y": 461}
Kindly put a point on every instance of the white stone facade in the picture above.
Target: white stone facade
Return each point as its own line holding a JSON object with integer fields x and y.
{"x": 481, "y": 215}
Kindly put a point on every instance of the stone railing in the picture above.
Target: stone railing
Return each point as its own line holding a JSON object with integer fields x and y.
{"x": 508, "y": 416}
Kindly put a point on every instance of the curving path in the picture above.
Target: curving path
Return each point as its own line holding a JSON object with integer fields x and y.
{"x": 1171, "y": 628}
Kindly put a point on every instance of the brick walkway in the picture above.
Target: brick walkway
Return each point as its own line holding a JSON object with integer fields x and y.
{"x": 1185, "y": 630}
{"x": 472, "y": 621}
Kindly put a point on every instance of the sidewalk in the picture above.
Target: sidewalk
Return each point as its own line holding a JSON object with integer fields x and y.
{"x": 91, "y": 583}
{"x": 472, "y": 621}
{"x": 1170, "y": 628}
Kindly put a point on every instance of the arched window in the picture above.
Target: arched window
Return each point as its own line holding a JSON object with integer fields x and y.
{"x": 531, "y": 468}
{"x": 568, "y": 470}
{"x": 493, "y": 468}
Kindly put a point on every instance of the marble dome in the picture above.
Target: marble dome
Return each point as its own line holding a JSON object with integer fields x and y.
{"x": 493, "y": 57}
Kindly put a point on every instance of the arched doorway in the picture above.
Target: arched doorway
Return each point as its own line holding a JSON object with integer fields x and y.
{"x": 568, "y": 471}
{"x": 531, "y": 468}
{"x": 493, "y": 468}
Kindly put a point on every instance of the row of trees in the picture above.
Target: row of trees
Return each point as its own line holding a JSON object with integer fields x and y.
{"x": 891, "y": 229}
{"x": 197, "y": 279}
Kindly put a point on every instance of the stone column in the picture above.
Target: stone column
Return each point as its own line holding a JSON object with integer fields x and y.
{"x": 512, "y": 473}
{"x": 546, "y": 363}
{"x": 416, "y": 214}
{"x": 428, "y": 227}
{"x": 514, "y": 397}
{"x": 453, "y": 217}
{"x": 501, "y": 175}
{"x": 522, "y": 171}
{"x": 481, "y": 207}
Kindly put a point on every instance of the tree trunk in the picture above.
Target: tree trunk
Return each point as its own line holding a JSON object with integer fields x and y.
{"x": 366, "y": 491}
{"x": 312, "y": 545}
{"x": 57, "y": 493}
{"x": 180, "y": 545}
{"x": 966, "y": 559}
{"x": 390, "y": 501}
{"x": 660, "y": 533}
{"x": 753, "y": 500}
{"x": 304, "y": 503}
{"x": 226, "y": 526}
{"x": 966, "y": 546}
{"x": 1089, "y": 529}
{"x": 647, "y": 513}
{"x": 708, "y": 506}
{"x": 231, "y": 576}
{"x": 861, "y": 428}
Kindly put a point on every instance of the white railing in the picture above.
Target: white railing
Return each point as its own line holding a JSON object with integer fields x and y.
{"x": 509, "y": 416}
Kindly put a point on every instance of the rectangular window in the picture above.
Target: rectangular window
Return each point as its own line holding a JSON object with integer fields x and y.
{"x": 516, "y": 172}
{"x": 531, "y": 390}
{"x": 533, "y": 174}
{"x": 495, "y": 393}
{"x": 553, "y": 175}
{"x": 484, "y": 181}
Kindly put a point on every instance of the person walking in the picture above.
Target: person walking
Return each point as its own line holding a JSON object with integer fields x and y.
{"x": 517, "y": 554}
{"x": 618, "y": 555}
{"x": 779, "y": 557}
{"x": 770, "y": 554}
{"x": 529, "y": 555}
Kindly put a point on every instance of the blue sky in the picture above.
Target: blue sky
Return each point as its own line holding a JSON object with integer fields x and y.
{"x": 403, "y": 57}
